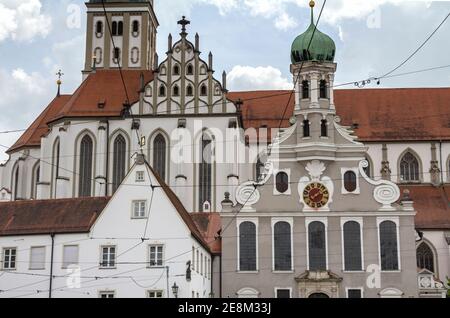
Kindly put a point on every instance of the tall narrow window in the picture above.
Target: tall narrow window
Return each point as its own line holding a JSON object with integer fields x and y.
{"x": 259, "y": 168}
{"x": 190, "y": 69}
{"x": 135, "y": 26}
{"x": 159, "y": 155}
{"x": 388, "y": 246}
{"x": 120, "y": 28}
{"x": 352, "y": 246}
{"x": 114, "y": 28}
{"x": 425, "y": 257}
{"x": 116, "y": 54}
{"x": 85, "y": 171}
{"x": 323, "y": 89}
{"x": 282, "y": 247}
{"x": 189, "y": 91}
{"x": 317, "y": 247}
{"x": 203, "y": 90}
{"x": 176, "y": 70}
{"x": 176, "y": 91}
{"x": 305, "y": 89}
{"x": 247, "y": 247}
{"x": 99, "y": 27}
{"x": 119, "y": 161}
{"x": 306, "y": 129}
{"x": 16, "y": 183}
{"x": 205, "y": 170}
{"x": 162, "y": 91}
{"x": 324, "y": 128}
{"x": 37, "y": 179}
{"x": 409, "y": 168}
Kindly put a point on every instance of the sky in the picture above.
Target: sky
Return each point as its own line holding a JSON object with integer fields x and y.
{"x": 250, "y": 40}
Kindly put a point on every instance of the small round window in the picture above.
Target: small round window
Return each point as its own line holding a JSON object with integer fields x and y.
{"x": 350, "y": 181}
{"x": 282, "y": 180}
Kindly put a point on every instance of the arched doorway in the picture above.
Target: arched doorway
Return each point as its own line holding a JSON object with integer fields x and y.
{"x": 319, "y": 295}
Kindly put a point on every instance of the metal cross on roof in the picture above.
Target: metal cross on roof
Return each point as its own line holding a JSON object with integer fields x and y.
{"x": 183, "y": 22}
{"x": 59, "y": 74}
{"x": 59, "y": 82}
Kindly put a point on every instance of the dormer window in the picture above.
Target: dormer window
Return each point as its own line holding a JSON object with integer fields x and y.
{"x": 305, "y": 90}
{"x": 323, "y": 89}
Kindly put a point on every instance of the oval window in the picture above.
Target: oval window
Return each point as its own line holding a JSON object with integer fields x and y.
{"x": 350, "y": 181}
{"x": 282, "y": 182}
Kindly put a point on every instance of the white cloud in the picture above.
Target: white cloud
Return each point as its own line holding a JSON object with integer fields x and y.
{"x": 22, "y": 20}
{"x": 257, "y": 78}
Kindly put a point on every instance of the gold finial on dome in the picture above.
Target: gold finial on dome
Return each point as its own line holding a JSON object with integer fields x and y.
{"x": 312, "y": 4}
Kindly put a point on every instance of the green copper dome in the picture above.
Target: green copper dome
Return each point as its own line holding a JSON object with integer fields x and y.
{"x": 322, "y": 46}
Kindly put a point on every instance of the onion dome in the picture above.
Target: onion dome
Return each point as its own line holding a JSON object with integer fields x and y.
{"x": 322, "y": 48}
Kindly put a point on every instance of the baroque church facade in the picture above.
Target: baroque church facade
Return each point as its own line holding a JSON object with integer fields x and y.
{"x": 379, "y": 171}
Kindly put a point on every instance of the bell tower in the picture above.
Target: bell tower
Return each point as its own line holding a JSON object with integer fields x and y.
{"x": 313, "y": 69}
{"x": 125, "y": 36}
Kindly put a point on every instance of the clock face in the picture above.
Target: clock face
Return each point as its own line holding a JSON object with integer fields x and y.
{"x": 316, "y": 195}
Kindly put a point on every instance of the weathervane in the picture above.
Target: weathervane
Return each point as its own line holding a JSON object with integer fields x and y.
{"x": 183, "y": 22}
{"x": 59, "y": 82}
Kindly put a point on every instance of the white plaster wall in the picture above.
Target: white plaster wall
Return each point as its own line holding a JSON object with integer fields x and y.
{"x": 376, "y": 155}
{"x": 135, "y": 41}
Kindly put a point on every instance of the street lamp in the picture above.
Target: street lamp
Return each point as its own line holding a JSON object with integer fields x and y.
{"x": 175, "y": 289}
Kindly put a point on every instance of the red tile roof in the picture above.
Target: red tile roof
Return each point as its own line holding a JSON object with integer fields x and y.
{"x": 209, "y": 225}
{"x": 407, "y": 114}
{"x": 50, "y": 216}
{"x": 32, "y": 136}
{"x": 104, "y": 87}
{"x": 432, "y": 205}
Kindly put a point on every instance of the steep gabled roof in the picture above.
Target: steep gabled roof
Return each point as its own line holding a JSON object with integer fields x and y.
{"x": 32, "y": 136}
{"x": 184, "y": 214}
{"x": 63, "y": 216}
{"x": 209, "y": 225}
{"x": 105, "y": 87}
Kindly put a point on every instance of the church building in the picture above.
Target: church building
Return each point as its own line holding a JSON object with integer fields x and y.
{"x": 350, "y": 190}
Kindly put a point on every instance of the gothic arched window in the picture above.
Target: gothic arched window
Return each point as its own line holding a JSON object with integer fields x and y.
{"x": 190, "y": 70}
{"x": 119, "y": 161}
{"x": 160, "y": 155}
{"x": 425, "y": 257}
{"x": 409, "y": 168}
{"x": 324, "y": 128}
{"x": 189, "y": 90}
{"x": 36, "y": 180}
{"x": 305, "y": 89}
{"x": 317, "y": 247}
{"x": 323, "y": 89}
{"x": 176, "y": 91}
{"x": 247, "y": 247}
{"x": 203, "y": 90}
{"x": 350, "y": 181}
{"x": 352, "y": 246}
{"x": 86, "y": 164}
{"x": 388, "y": 246}
{"x": 162, "y": 91}
{"x": 282, "y": 246}
{"x": 176, "y": 70}
{"x": 282, "y": 182}
{"x": 205, "y": 172}
{"x": 306, "y": 129}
